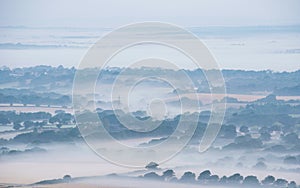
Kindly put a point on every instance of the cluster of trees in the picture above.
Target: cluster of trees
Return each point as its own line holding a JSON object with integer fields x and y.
{"x": 207, "y": 178}
{"x": 7, "y": 151}
{"x": 66, "y": 179}
{"x": 237, "y": 81}
{"x": 288, "y": 142}
{"x": 35, "y": 119}
{"x": 38, "y": 77}
{"x": 265, "y": 112}
{"x": 27, "y": 97}
{"x": 245, "y": 142}
{"x": 47, "y": 136}
{"x": 293, "y": 160}
{"x": 264, "y": 117}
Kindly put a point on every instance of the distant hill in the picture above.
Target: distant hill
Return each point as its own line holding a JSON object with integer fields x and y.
{"x": 288, "y": 91}
{"x": 60, "y": 79}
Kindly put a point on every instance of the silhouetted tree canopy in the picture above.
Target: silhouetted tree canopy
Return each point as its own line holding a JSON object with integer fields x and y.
{"x": 268, "y": 180}
{"x": 152, "y": 165}
{"x": 251, "y": 181}
{"x": 188, "y": 177}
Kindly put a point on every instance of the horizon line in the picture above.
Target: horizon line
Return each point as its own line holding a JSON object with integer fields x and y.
{"x": 140, "y": 68}
{"x": 102, "y": 27}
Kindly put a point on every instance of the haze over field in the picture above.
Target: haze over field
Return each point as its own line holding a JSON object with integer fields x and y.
{"x": 259, "y": 135}
{"x": 240, "y": 47}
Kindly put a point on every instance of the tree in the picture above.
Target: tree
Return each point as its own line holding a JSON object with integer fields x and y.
{"x": 260, "y": 166}
{"x": 67, "y": 178}
{"x": 235, "y": 179}
{"x": 59, "y": 111}
{"x": 265, "y": 136}
{"x": 291, "y": 138}
{"x": 244, "y": 129}
{"x": 228, "y": 131}
{"x": 214, "y": 179}
{"x": 4, "y": 150}
{"x": 28, "y": 124}
{"x": 251, "y": 181}
{"x": 168, "y": 174}
{"x": 264, "y": 129}
{"x": 152, "y": 175}
{"x": 203, "y": 176}
{"x": 173, "y": 179}
{"x": 290, "y": 160}
{"x": 223, "y": 180}
{"x": 268, "y": 180}
{"x": 152, "y": 165}
{"x": 59, "y": 125}
{"x": 281, "y": 183}
{"x": 275, "y": 128}
{"x": 188, "y": 177}
{"x": 61, "y": 119}
{"x": 292, "y": 184}
{"x": 17, "y": 126}
{"x": 54, "y": 119}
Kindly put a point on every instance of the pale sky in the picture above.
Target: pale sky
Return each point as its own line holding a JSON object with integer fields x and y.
{"x": 268, "y": 49}
{"x": 113, "y": 13}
